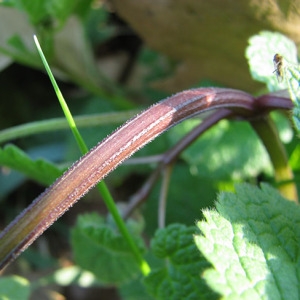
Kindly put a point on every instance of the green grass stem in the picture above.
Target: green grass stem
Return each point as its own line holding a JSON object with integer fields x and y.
{"x": 144, "y": 267}
{"x": 56, "y": 124}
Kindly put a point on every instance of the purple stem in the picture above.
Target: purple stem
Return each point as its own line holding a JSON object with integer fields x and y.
{"x": 111, "y": 152}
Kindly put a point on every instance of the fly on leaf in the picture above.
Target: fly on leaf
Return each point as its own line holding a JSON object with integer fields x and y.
{"x": 278, "y": 65}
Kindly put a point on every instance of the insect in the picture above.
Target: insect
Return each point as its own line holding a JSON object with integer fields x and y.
{"x": 278, "y": 64}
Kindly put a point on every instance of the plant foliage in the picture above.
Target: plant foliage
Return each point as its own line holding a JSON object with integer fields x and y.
{"x": 178, "y": 278}
{"x": 252, "y": 241}
{"x": 100, "y": 249}
{"x": 40, "y": 170}
{"x": 247, "y": 247}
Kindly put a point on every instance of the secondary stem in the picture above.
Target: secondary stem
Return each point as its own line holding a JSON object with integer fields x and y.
{"x": 266, "y": 130}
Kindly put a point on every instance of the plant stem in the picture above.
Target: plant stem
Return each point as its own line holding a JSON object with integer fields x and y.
{"x": 56, "y": 124}
{"x": 266, "y": 130}
{"x": 171, "y": 155}
{"x": 112, "y": 151}
{"x": 162, "y": 205}
{"x": 106, "y": 195}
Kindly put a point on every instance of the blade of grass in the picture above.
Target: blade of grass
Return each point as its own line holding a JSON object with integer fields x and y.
{"x": 144, "y": 267}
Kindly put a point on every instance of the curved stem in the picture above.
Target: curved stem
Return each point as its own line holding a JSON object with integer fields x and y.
{"x": 171, "y": 155}
{"x": 108, "y": 154}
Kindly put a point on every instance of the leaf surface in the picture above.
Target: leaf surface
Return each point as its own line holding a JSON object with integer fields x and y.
{"x": 100, "y": 249}
{"x": 40, "y": 170}
{"x": 252, "y": 241}
{"x": 14, "y": 288}
{"x": 179, "y": 278}
{"x": 229, "y": 150}
{"x": 260, "y": 53}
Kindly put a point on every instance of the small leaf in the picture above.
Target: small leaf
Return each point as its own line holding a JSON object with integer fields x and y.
{"x": 253, "y": 245}
{"x": 40, "y": 170}
{"x": 260, "y": 53}
{"x": 100, "y": 249}
{"x": 14, "y": 288}
{"x": 179, "y": 278}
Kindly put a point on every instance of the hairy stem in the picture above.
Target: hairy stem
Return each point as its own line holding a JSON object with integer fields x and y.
{"x": 111, "y": 152}
{"x": 170, "y": 156}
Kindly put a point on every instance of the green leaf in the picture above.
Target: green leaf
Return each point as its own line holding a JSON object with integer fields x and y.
{"x": 179, "y": 278}
{"x": 14, "y": 288}
{"x": 41, "y": 12}
{"x": 83, "y": 8}
{"x": 61, "y": 9}
{"x": 97, "y": 26}
{"x": 36, "y": 10}
{"x": 264, "y": 46}
{"x": 260, "y": 53}
{"x": 252, "y": 241}
{"x": 100, "y": 249}
{"x": 291, "y": 75}
{"x": 134, "y": 290}
{"x": 229, "y": 150}
{"x": 40, "y": 170}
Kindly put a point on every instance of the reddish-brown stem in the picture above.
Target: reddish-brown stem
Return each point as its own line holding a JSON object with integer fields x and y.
{"x": 273, "y": 101}
{"x": 171, "y": 155}
{"x": 108, "y": 154}
{"x": 264, "y": 103}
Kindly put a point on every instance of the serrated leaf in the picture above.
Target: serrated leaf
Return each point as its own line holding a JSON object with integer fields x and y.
{"x": 179, "y": 278}
{"x": 40, "y": 170}
{"x": 14, "y": 288}
{"x": 260, "y": 53}
{"x": 253, "y": 244}
{"x": 100, "y": 249}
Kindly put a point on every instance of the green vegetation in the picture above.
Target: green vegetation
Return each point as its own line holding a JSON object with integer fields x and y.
{"x": 224, "y": 232}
